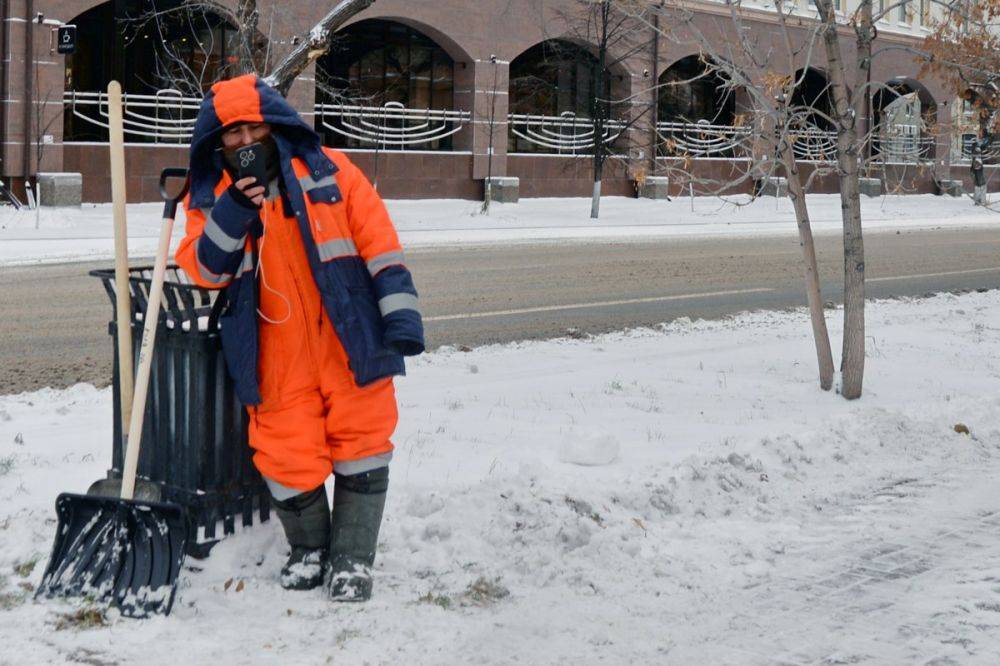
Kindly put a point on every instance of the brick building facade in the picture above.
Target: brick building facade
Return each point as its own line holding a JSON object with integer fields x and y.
{"x": 455, "y": 117}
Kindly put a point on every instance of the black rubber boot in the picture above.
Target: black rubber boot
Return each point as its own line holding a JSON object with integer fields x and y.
{"x": 358, "y": 501}
{"x": 306, "y": 519}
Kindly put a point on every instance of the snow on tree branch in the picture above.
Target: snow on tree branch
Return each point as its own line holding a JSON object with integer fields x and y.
{"x": 315, "y": 45}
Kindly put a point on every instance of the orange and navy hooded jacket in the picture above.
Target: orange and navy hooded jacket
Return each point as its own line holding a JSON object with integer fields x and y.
{"x": 352, "y": 247}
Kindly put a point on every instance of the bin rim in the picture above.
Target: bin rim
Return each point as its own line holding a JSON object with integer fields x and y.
{"x": 109, "y": 274}
{"x": 184, "y": 314}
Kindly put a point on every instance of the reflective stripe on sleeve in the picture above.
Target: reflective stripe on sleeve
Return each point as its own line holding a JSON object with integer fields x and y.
{"x": 340, "y": 247}
{"x": 204, "y": 272}
{"x": 215, "y": 234}
{"x": 400, "y": 301}
{"x": 380, "y": 261}
{"x": 246, "y": 265}
{"x": 209, "y": 276}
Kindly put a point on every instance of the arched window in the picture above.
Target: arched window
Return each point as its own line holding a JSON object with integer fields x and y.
{"x": 554, "y": 91}
{"x": 903, "y": 110}
{"x": 553, "y": 78}
{"x": 696, "y": 111}
{"x": 812, "y": 101}
{"x": 149, "y": 49}
{"x": 811, "y": 123}
{"x": 377, "y": 63}
{"x": 691, "y": 92}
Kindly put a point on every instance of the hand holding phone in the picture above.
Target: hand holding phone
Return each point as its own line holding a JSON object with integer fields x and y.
{"x": 249, "y": 192}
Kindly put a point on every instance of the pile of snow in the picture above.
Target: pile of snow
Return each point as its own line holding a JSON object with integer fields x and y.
{"x": 85, "y": 233}
{"x": 679, "y": 495}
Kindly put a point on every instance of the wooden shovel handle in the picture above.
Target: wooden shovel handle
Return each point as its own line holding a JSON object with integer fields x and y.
{"x": 123, "y": 304}
{"x": 150, "y": 321}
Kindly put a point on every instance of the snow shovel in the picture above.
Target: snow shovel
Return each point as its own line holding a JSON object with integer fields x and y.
{"x": 123, "y": 551}
{"x": 111, "y": 487}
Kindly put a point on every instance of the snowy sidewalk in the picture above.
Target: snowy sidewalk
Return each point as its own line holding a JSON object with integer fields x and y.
{"x": 681, "y": 495}
{"x": 86, "y": 233}
{"x": 909, "y": 573}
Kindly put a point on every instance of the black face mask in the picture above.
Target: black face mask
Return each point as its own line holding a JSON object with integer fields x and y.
{"x": 269, "y": 150}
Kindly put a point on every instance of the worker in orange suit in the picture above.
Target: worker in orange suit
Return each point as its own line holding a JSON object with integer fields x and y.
{"x": 320, "y": 310}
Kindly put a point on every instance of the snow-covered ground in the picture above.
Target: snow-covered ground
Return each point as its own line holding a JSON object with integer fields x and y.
{"x": 86, "y": 233}
{"x": 682, "y": 495}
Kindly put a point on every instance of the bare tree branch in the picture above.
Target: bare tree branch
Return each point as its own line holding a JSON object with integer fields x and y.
{"x": 315, "y": 45}
{"x": 247, "y": 18}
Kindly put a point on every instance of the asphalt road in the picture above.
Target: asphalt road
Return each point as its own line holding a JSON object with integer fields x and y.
{"x": 53, "y": 319}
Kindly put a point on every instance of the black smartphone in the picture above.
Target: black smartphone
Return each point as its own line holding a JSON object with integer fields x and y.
{"x": 251, "y": 163}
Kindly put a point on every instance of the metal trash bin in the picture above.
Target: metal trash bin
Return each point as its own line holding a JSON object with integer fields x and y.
{"x": 194, "y": 437}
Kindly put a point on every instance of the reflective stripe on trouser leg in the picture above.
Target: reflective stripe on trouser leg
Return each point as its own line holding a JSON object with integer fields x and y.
{"x": 350, "y": 467}
{"x": 279, "y": 492}
{"x": 360, "y": 421}
{"x": 289, "y": 442}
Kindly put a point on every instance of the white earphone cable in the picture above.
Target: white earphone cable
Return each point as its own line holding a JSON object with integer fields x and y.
{"x": 263, "y": 277}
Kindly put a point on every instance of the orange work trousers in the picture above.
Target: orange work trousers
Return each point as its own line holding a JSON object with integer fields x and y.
{"x": 313, "y": 419}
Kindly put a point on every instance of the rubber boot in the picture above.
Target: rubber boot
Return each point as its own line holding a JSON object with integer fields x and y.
{"x": 358, "y": 501}
{"x": 306, "y": 520}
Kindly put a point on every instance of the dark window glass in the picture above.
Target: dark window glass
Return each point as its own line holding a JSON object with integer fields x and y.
{"x": 552, "y": 79}
{"x": 375, "y": 62}
{"x": 186, "y": 50}
{"x": 812, "y": 100}
{"x": 689, "y": 93}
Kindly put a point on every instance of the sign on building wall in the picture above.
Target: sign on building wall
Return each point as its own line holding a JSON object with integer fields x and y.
{"x": 66, "y": 39}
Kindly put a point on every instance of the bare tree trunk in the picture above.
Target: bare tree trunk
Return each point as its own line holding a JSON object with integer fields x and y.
{"x": 600, "y": 117}
{"x": 595, "y": 199}
{"x": 852, "y": 364}
{"x": 821, "y": 337}
{"x": 853, "y": 370}
{"x": 315, "y": 45}
{"x": 488, "y": 189}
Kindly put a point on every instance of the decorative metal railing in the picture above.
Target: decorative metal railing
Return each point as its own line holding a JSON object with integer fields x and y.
{"x": 565, "y": 134}
{"x": 391, "y": 126}
{"x": 169, "y": 117}
{"x": 166, "y": 117}
{"x": 701, "y": 139}
{"x": 704, "y": 140}
{"x": 907, "y": 147}
{"x": 991, "y": 155}
{"x": 814, "y": 144}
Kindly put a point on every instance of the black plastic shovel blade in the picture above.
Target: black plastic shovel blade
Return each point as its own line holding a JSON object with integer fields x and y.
{"x": 123, "y": 552}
